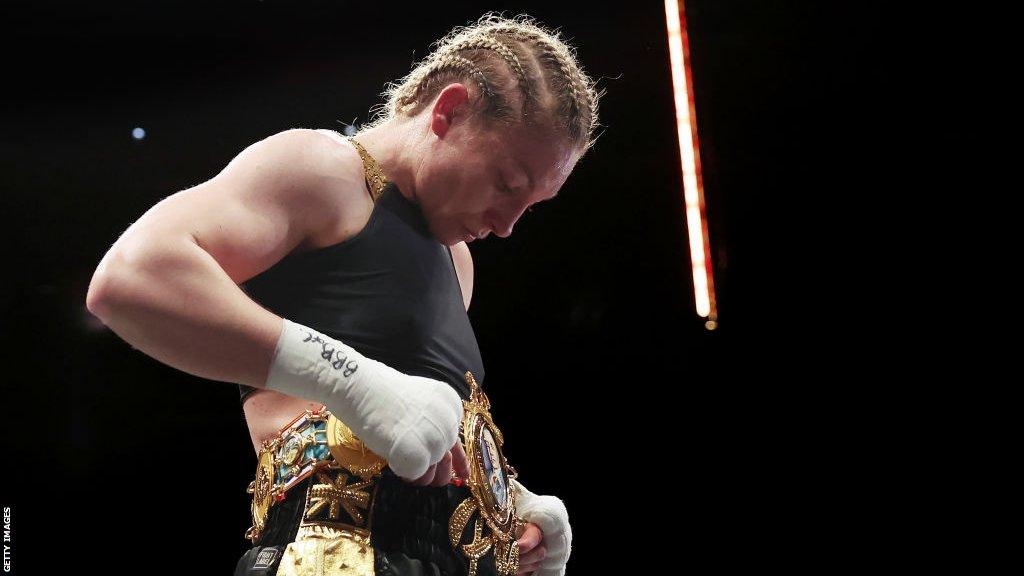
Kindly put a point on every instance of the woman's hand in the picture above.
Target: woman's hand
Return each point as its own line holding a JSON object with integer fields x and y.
{"x": 550, "y": 522}
{"x": 531, "y": 552}
{"x": 440, "y": 474}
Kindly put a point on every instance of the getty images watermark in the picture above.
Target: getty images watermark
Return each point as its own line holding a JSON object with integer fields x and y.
{"x": 8, "y": 541}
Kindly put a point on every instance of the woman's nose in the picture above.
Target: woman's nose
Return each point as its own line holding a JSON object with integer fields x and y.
{"x": 503, "y": 223}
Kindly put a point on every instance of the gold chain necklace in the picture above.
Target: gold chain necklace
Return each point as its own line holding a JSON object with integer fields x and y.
{"x": 375, "y": 178}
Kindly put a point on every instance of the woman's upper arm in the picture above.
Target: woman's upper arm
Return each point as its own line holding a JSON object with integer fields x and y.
{"x": 464, "y": 268}
{"x": 271, "y": 197}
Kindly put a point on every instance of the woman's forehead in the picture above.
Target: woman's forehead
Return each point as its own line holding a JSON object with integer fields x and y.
{"x": 530, "y": 146}
{"x": 543, "y": 164}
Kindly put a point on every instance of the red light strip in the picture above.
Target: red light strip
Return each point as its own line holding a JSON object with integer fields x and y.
{"x": 689, "y": 149}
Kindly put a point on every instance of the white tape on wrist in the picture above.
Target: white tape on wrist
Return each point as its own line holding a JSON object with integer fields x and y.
{"x": 550, "y": 515}
{"x": 409, "y": 420}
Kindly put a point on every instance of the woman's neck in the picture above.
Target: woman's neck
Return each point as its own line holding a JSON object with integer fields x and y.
{"x": 391, "y": 147}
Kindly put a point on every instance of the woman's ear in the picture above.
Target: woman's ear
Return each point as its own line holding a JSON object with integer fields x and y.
{"x": 451, "y": 106}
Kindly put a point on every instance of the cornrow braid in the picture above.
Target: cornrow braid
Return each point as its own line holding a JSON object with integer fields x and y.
{"x": 563, "y": 61}
{"x": 486, "y": 43}
{"x": 497, "y": 105}
{"x": 491, "y": 52}
{"x": 446, "y": 62}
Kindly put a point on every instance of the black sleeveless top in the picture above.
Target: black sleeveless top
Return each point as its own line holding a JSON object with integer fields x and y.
{"x": 390, "y": 291}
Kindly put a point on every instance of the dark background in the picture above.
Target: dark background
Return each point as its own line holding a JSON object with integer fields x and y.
{"x": 610, "y": 392}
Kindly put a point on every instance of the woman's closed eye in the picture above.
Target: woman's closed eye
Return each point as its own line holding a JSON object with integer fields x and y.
{"x": 507, "y": 191}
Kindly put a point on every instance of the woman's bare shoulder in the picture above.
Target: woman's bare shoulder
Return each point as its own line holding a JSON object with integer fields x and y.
{"x": 343, "y": 168}
{"x": 334, "y": 135}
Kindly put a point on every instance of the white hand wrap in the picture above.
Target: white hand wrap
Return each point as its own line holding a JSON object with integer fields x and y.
{"x": 550, "y": 515}
{"x": 409, "y": 420}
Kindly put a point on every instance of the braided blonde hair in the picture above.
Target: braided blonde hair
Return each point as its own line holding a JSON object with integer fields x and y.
{"x": 523, "y": 72}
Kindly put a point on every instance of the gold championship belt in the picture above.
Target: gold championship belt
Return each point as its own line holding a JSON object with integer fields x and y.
{"x": 492, "y": 507}
{"x": 315, "y": 442}
{"x": 335, "y": 527}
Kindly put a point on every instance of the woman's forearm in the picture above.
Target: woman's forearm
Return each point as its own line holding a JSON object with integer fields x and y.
{"x": 171, "y": 300}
